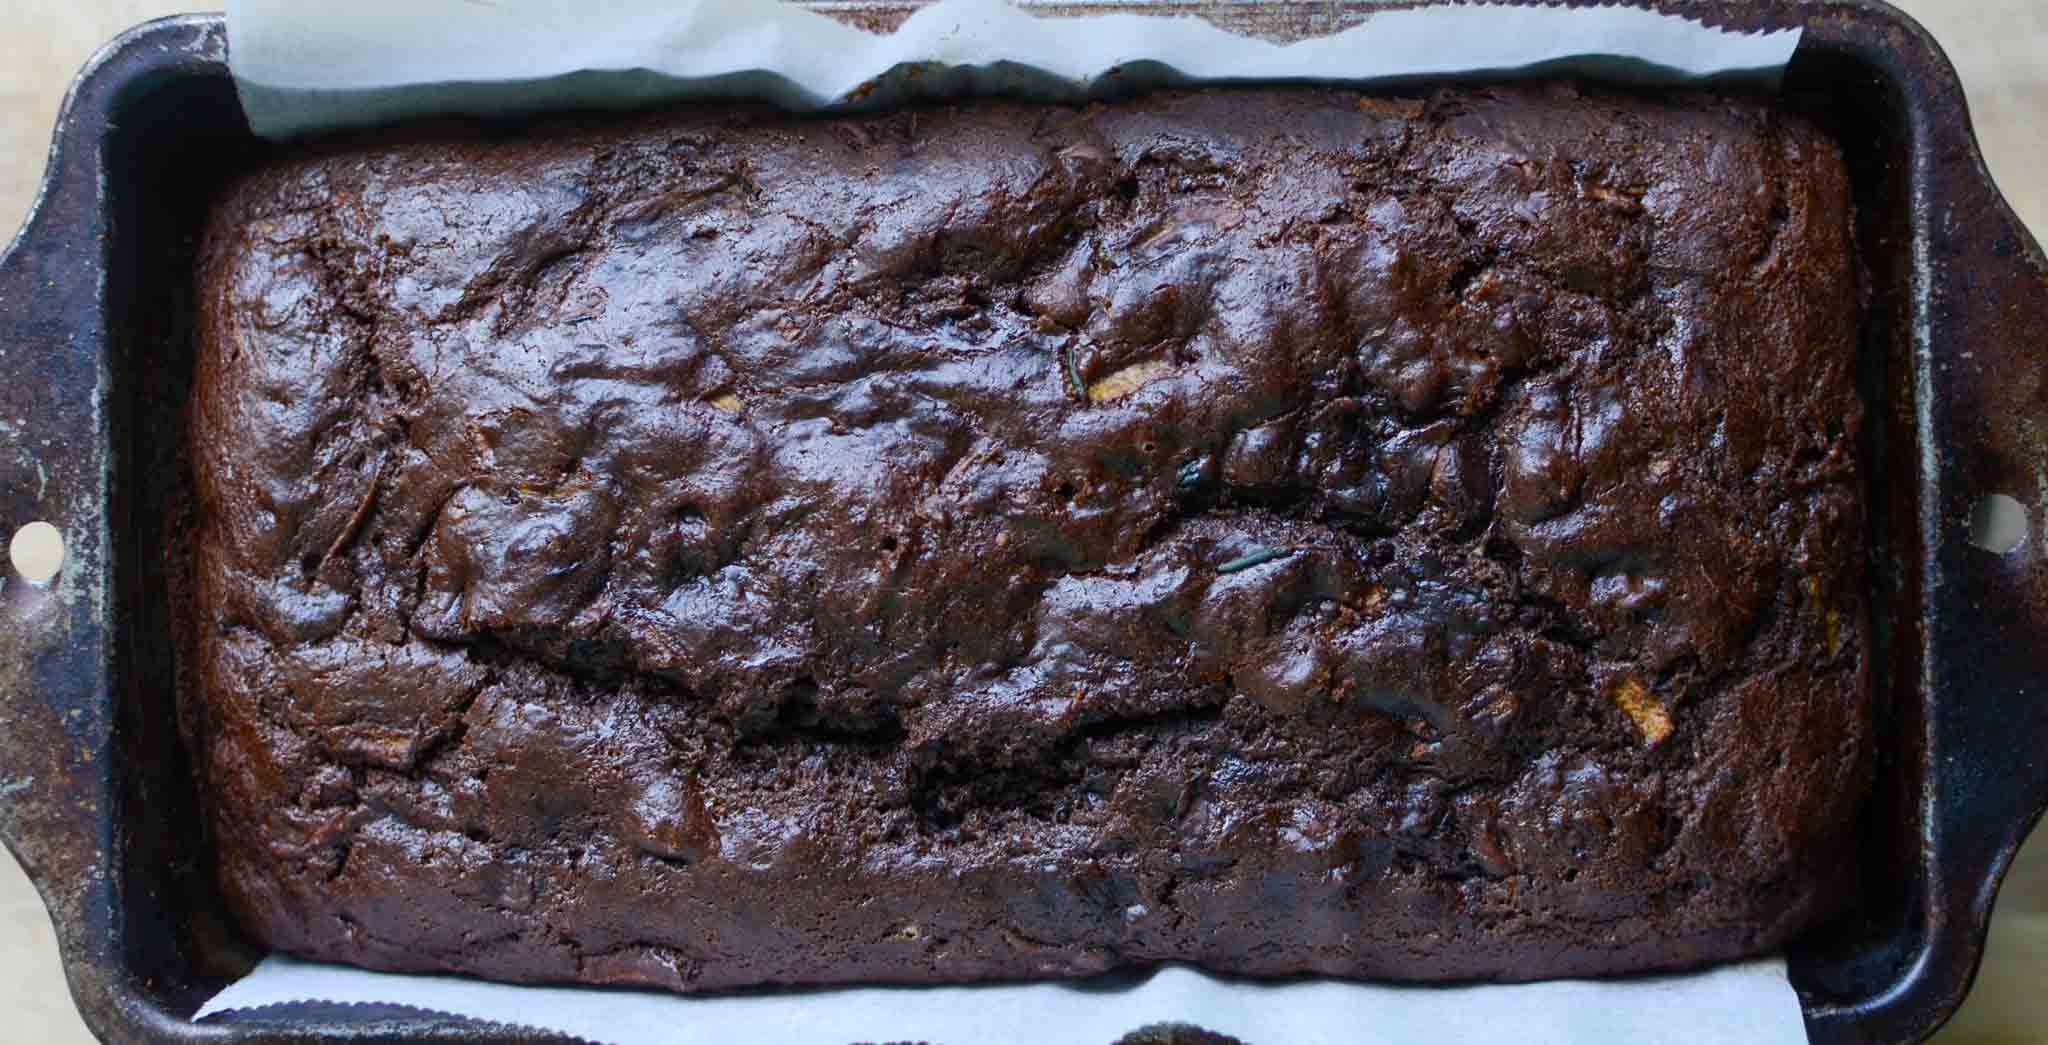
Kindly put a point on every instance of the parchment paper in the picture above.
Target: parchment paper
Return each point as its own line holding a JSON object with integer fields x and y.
{"x": 1747, "y": 1004}
{"x": 305, "y": 68}
{"x": 308, "y": 67}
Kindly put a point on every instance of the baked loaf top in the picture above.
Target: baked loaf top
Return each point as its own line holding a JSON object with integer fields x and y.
{"x": 1287, "y": 530}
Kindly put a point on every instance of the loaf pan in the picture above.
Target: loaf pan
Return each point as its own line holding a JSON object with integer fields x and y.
{"x": 97, "y": 800}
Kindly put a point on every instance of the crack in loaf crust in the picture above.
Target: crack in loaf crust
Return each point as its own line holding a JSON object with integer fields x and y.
{"x": 1284, "y": 530}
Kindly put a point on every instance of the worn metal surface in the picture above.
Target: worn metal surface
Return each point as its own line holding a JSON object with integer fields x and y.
{"x": 55, "y": 704}
{"x": 94, "y": 797}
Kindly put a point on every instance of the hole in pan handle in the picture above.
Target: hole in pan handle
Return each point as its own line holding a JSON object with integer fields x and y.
{"x": 1998, "y": 524}
{"x": 36, "y": 552}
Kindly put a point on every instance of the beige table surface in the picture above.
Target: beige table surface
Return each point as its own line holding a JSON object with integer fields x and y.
{"x": 2001, "y": 46}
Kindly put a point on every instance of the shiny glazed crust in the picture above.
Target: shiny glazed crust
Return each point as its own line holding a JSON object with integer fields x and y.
{"x": 1285, "y": 530}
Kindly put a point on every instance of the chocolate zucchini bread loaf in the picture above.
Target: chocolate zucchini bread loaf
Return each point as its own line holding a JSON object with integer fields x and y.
{"x": 1285, "y": 530}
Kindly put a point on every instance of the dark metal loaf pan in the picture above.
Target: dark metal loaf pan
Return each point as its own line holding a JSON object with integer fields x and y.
{"x": 95, "y": 347}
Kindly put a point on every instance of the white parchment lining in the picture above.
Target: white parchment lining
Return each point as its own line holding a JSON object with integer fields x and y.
{"x": 1745, "y": 1004}
{"x": 308, "y": 67}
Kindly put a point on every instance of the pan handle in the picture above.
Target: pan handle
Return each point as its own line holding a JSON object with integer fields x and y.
{"x": 1982, "y": 374}
{"x": 57, "y": 710}
{"x": 1967, "y": 471}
